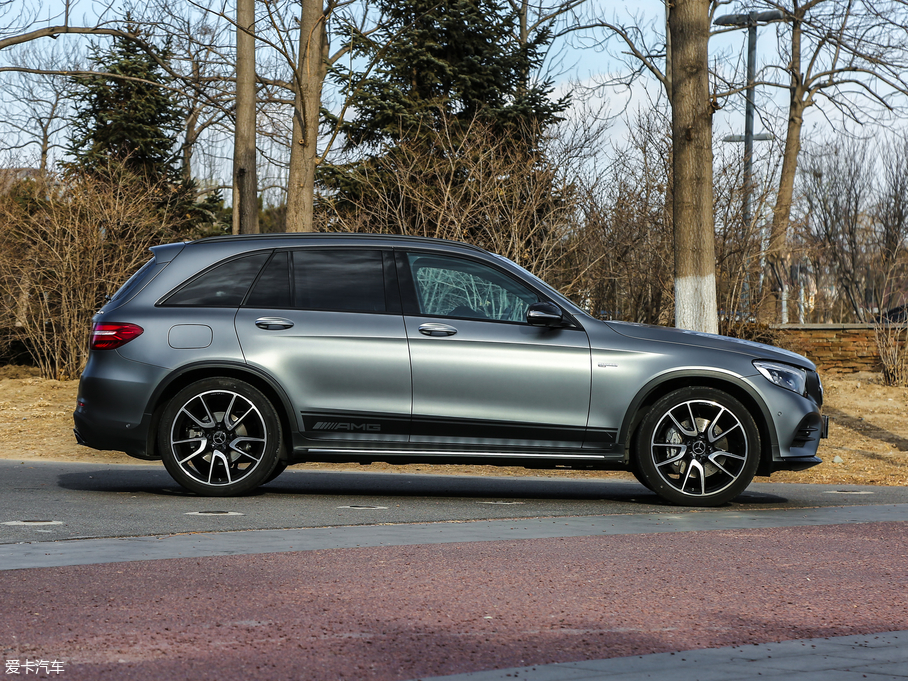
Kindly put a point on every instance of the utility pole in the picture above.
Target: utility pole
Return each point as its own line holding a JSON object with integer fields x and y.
{"x": 245, "y": 179}
{"x": 750, "y": 21}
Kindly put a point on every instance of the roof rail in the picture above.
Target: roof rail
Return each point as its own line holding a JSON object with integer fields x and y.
{"x": 354, "y": 235}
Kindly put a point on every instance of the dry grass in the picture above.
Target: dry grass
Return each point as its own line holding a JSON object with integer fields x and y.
{"x": 868, "y": 443}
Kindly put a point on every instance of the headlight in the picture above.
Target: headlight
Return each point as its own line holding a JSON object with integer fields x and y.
{"x": 784, "y": 375}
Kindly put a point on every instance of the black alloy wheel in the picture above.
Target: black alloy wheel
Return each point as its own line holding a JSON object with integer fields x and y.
{"x": 220, "y": 437}
{"x": 697, "y": 447}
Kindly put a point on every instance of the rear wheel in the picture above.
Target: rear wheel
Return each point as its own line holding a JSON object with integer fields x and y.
{"x": 697, "y": 447}
{"x": 278, "y": 469}
{"x": 220, "y": 437}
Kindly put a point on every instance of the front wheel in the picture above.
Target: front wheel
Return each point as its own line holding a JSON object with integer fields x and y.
{"x": 220, "y": 437}
{"x": 697, "y": 447}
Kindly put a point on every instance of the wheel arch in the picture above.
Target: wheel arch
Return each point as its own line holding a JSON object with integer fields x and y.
{"x": 734, "y": 386}
{"x": 188, "y": 374}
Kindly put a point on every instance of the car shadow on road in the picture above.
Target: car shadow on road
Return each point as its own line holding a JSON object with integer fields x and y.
{"x": 467, "y": 486}
{"x": 504, "y": 490}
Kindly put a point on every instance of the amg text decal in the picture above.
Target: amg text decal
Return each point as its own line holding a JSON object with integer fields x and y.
{"x": 339, "y": 425}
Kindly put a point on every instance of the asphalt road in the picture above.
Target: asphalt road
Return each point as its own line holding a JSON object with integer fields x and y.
{"x": 114, "y": 572}
{"x": 56, "y": 501}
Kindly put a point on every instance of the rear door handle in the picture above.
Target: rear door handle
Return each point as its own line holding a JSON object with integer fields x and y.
{"x": 273, "y": 323}
{"x": 436, "y": 329}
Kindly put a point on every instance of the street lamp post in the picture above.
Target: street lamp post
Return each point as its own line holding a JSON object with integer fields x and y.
{"x": 750, "y": 21}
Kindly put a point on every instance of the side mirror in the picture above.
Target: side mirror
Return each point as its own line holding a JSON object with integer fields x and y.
{"x": 545, "y": 314}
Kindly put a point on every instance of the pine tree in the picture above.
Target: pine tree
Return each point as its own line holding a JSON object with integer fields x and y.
{"x": 435, "y": 67}
{"x": 129, "y": 115}
{"x": 438, "y": 61}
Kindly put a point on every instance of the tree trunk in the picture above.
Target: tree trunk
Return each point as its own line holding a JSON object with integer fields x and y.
{"x": 781, "y": 214}
{"x": 245, "y": 180}
{"x": 191, "y": 126}
{"x": 311, "y": 71}
{"x": 692, "y": 190}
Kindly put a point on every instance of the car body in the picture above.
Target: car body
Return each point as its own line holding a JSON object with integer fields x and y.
{"x": 233, "y": 357}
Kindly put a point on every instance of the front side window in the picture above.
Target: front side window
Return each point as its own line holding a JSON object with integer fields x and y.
{"x": 452, "y": 287}
{"x": 339, "y": 280}
{"x": 224, "y": 285}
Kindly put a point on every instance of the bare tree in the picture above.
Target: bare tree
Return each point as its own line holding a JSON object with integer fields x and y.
{"x": 680, "y": 64}
{"x": 837, "y": 195}
{"x": 692, "y": 153}
{"x": 245, "y": 178}
{"x": 35, "y": 106}
{"x": 71, "y": 243}
{"x": 467, "y": 185}
{"x": 892, "y": 206}
{"x": 22, "y": 23}
{"x": 308, "y": 79}
{"x": 852, "y": 54}
{"x": 621, "y": 267}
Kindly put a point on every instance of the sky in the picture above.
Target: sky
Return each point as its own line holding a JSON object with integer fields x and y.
{"x": 584, "y": 61}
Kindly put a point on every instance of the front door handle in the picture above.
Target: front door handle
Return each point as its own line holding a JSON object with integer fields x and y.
{"x": 435, "y": 329}
{"x": 273, "y": 323}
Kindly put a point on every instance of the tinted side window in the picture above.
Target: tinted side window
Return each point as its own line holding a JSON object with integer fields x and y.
{"x": 451, "y": 287}
{"x": 272, "y": 288}
{"x": 223, "y": 286}
{"x": 339, "y": 280}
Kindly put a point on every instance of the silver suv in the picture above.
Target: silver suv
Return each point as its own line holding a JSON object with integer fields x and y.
{"x": 231, "y": 358}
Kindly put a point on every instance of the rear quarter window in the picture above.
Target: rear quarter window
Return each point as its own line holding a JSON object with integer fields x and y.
{"x": 224, "y": 285}
{"x": 145, "y": 273}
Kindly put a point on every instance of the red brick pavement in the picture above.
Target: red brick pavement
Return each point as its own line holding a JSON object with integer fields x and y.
{"x": 410, "y": 611}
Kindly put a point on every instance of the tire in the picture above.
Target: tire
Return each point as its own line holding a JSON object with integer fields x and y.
{"x": 697, "y": 447}
{"x": 638, "y": 475}
{"x": 220, "y": 437}
{"x": 278, "y": 469}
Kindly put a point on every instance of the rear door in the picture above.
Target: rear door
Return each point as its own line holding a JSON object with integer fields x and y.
{"x": 323, "y": 322}
{"x": 482, "y": 376}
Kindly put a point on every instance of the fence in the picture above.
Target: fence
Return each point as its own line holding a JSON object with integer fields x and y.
{"x": 844, "y": 348}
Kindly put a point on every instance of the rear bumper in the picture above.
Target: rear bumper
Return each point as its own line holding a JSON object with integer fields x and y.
{"x": 114, "y": 394}
{"x": 112, "y": 435}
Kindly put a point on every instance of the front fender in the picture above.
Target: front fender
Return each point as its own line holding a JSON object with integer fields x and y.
{"x": 735, "y": 385}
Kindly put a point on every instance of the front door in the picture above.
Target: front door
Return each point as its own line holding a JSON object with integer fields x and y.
{"x": 482, "y": 376}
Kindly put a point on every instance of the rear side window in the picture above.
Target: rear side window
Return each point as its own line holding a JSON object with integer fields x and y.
{"x": 224, "y": 285}
{"x": 339, "y": 280}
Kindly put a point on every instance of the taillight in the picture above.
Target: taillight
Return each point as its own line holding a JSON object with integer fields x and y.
{"x": 111, "y": 336}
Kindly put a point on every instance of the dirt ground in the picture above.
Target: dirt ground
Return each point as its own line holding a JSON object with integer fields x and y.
{"x": 867, "y": 445}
